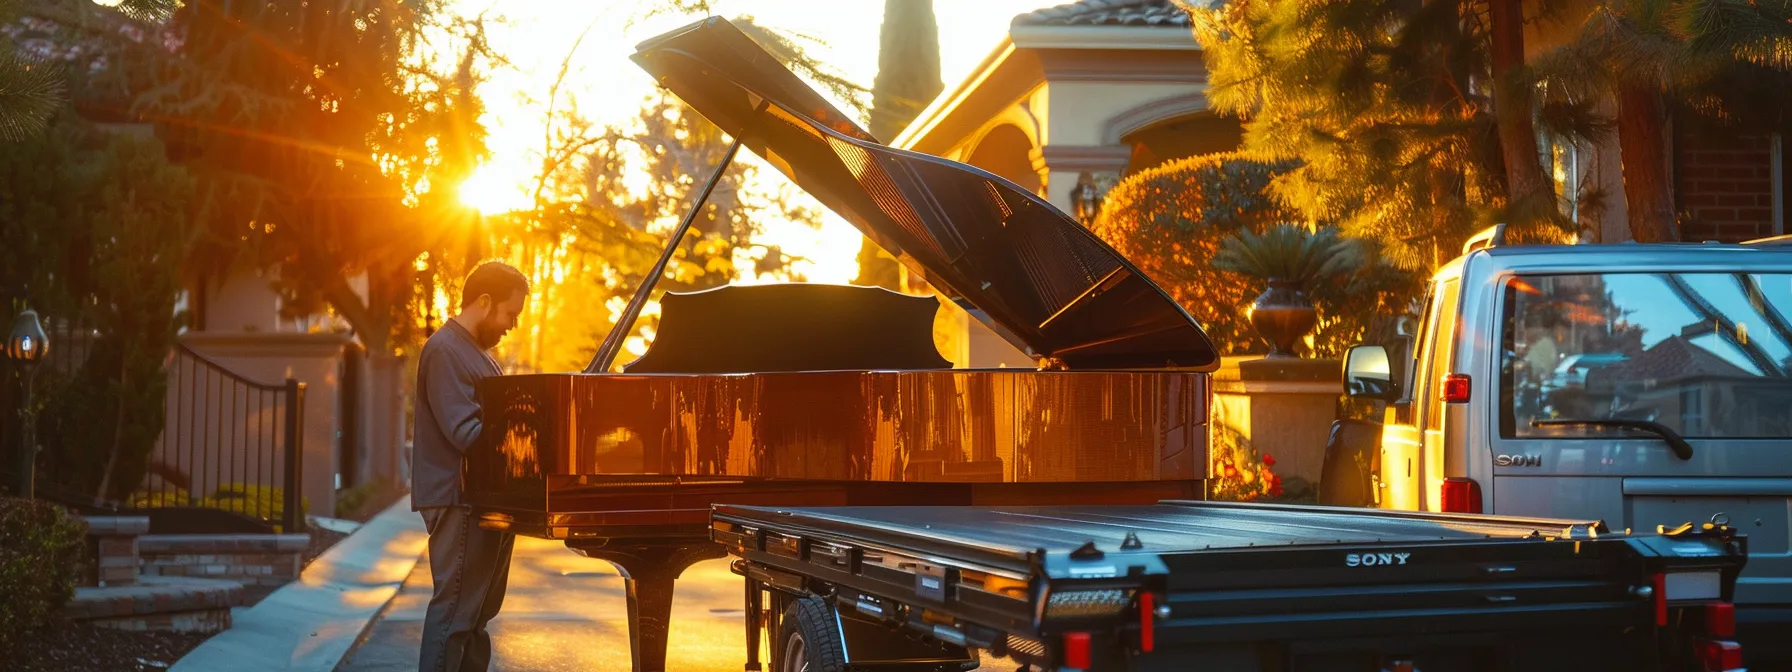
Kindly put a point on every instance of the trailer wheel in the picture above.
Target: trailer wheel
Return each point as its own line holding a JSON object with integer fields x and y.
{"x": 808, "y": 638}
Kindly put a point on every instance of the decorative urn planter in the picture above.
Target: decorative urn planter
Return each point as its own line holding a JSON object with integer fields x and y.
{"x": 1282, "y": 316}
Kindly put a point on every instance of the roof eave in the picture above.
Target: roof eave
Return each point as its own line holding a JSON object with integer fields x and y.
{"x": 949, "y": 100}
{"x": 1176, "y": 38}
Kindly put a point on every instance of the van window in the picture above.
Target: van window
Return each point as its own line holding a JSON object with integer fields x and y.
{"x": 1708, "y": 355}
{"x": 1441, "y": 344}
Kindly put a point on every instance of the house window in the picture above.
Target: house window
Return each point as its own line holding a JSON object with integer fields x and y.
{"x": 1566, "y": 164}
{"x": 1692, "y": 410}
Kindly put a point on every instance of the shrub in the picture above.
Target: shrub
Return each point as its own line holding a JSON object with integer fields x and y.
{"x": 1169, "y": 221}
{"x": 264, "y": 503}
{"x": 41, "y": 548}
{"x": 1241, "y": 474}
{"x": 255, "y": 501}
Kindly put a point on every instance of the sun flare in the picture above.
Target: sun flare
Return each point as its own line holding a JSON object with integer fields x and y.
{"x": 491, "y": 192}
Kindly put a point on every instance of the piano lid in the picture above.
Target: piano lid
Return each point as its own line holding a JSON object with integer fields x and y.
{"x": 1022, "y": 266}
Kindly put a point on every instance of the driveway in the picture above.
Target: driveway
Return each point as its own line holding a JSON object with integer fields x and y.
{"x": 565, "y": 611}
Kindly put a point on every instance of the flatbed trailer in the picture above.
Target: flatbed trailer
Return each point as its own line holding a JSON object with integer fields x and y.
{"x": 1186, "y": 585}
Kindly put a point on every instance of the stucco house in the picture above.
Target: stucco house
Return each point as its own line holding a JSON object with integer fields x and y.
{"x": 1079, "y": 93}
{"x": 1089, "y": 91}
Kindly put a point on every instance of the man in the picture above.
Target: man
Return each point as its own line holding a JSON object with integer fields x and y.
{"x": 469, "y": 565}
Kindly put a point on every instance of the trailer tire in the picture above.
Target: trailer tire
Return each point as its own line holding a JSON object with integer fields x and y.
{"x": 808, "y": 638}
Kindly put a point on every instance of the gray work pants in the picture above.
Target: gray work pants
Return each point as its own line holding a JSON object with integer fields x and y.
{"x": 470, "y": 568}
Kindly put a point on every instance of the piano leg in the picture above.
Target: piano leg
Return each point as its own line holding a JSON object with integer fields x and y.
{"x": 649, "y": 571}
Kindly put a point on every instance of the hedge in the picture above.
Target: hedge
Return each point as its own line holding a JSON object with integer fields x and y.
{"x": 41, "y": 549}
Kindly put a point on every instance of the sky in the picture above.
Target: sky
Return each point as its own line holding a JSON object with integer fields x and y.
{"x": 1652, "y": 307}
{"x": 536, "y": 34}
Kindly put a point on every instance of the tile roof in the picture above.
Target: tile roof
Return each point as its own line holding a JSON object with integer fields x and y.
{"x": 1676, "y": 358}
{"x": 1109, "y": 13}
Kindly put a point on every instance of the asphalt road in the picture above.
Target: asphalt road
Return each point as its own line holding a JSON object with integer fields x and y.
{"x": 564, "y": 611}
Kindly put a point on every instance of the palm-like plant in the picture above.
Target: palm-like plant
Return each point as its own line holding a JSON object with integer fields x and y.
{"x": 1289, "y": 257}
{"x": 1288, "y": 254}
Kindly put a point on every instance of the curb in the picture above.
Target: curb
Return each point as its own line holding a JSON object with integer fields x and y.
{"x": 312, "y": 623}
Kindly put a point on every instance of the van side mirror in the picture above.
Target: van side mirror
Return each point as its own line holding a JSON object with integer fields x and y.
{"x": 1367, "y": 374}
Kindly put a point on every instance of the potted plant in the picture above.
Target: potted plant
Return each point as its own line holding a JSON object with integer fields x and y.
{"x": 1289, "y": 258}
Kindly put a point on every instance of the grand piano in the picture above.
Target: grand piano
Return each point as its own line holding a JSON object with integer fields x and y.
{"x": 828, "y": 395}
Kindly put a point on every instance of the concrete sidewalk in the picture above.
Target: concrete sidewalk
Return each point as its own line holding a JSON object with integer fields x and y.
{"x": 311, "y": 623}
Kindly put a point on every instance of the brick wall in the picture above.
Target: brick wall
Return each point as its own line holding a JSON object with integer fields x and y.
{"x": 1725, "y": 186}
{"x": 261, "y": 562}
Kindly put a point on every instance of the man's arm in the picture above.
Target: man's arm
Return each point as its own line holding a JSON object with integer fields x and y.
{"x": 453, "y": 396}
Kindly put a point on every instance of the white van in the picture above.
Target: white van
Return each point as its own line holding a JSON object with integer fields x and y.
{"x": 1644, "y": 385}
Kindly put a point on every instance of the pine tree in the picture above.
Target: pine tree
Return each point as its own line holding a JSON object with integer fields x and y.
{"x": 908, "y": 78}
{"x": 1385, "y": 106}
{"x": 32, "y": 89}
{"x": 1651, "y": 55}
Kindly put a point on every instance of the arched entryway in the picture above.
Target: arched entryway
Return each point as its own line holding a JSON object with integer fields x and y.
{"x": 1182, "y": 137}
{"x": 1006, "y": 150}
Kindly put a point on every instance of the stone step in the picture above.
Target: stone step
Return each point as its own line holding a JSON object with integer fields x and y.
{"x": 179, "y": 604}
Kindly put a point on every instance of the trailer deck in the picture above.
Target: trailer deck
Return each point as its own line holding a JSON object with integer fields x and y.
{"x": 1182, "y": 583}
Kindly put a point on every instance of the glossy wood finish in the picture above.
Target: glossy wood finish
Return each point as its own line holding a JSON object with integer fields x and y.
{"x": 616, "y": 451}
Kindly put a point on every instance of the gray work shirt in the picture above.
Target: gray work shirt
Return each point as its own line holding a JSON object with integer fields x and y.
{"x": 447, "y": 413}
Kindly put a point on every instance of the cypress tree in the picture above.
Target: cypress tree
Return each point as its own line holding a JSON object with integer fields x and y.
{"x": 908, "y": 78}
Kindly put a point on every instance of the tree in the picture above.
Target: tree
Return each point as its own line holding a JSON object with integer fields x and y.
{"x": 31, "y": 86}
{"x": 908, "y": 66}
{"x": 92, "y": 232}
{"x": 1376, "y": 101}
{"x": 593, "y": 217}
{"x": 318, "y": 133}
{"x": 1649, "y": 54}
{"x": 908, "y": 78}
{"x": 1529, "y": 192}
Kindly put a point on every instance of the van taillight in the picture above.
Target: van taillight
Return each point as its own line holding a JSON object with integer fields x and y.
{"x": 1720, "y": 619}
{"x": 1462, "y": 495}
{"x": 1719, "y": 655}
{"x": 1456, "y": 388}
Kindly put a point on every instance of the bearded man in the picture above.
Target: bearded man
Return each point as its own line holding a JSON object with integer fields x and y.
{"x": 470, "y": 566}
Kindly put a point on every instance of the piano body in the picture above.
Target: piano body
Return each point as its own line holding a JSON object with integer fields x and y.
{"x": 827, "y": 395}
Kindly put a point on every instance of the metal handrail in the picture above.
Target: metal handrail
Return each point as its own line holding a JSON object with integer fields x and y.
{"x": 184, "y": 349}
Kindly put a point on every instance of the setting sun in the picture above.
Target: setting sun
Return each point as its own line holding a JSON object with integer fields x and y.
{"x": 491, "y": 192}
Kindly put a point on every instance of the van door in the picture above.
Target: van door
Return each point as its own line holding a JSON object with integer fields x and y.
{"x": 1412, "y": 438}
{"x": 1600, "y": 373}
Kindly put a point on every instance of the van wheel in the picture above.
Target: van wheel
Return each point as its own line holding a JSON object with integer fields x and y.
{"x": 808, "y": 638}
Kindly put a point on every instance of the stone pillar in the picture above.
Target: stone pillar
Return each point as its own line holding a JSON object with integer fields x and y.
{"x": 1285, "y": 407}
{"x": 113, "y": 543}
{"x": 386, "y": 400}
{"x": 313, "y": 359}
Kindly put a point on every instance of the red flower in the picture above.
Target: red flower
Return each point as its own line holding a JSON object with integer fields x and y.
{"x": 1269, "y": 461}
{"x": 1231, "y": 472}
